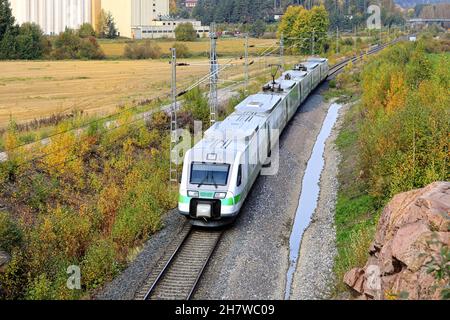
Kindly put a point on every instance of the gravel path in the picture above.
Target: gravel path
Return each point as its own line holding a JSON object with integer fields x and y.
{"x": 313, "y": 278}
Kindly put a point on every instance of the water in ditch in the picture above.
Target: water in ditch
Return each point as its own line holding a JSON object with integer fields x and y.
{"x": 310, "y": 194}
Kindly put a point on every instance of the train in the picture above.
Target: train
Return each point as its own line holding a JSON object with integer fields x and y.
{"x": 219, "y": 171}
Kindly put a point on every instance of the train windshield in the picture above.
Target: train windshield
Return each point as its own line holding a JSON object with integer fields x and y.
{"x": 209, "y": 174}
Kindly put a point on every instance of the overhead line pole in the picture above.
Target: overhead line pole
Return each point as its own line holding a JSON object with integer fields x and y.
{"x": 173, "y": 121}
{"x": 246, "y": 63}
{"x": 282, "y": 52}
{"x": 213, "y": 99}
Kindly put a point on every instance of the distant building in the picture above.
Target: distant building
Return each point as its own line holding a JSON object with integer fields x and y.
{"x": 190, "y": 3}
{"x": 130, "y": 14}
{"x": 53, "y": 16}
{"x": 165, "y": 28}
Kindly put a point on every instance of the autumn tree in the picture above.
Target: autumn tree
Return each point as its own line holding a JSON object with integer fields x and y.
{"x": 306, "y": 30}
{"x": 287, "y": 23}
{"x": 100, "y": 25}
{"x": 185, "y": 32}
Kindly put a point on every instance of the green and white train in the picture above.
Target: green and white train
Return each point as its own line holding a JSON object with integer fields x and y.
{"x": 219, "y": 171}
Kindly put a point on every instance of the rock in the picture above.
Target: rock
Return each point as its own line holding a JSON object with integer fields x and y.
{"x": 4, "y": 260}
{"x": 354, "y": 278}
{"x": 412, "y": 229}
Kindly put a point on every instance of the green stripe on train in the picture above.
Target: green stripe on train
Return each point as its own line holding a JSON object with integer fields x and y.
{"x": 184, "y": 199}
{"x": 225, "y": 202}
{"x": 231, "y": 201}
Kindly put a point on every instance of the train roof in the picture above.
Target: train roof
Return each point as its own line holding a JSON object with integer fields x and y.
{"x": 261, "y": 102}
{"x": 224, "y": 139}
{"x": 295, "y": 75}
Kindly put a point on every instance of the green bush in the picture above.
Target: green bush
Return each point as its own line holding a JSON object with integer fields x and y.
{"x": 90, "y": 49}
{"x": 99, "y": 264}
{"x": 10, "y": 233}
{"x": 146, "y": 50}
{"x": 68, "y": 45}
{"x": 185, "y": 32}
{"x": 182, "y": 50}
{"x": 404, "y": 134}
{"x": 13, "y": 279}
{"x": 197, "y": 103}
{"x": 86, "y": 30}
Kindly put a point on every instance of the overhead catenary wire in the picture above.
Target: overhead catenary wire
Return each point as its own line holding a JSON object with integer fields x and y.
{"x": 204, "y": 79}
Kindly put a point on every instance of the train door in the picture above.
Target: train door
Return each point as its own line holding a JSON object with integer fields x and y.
{"x": 242, "y": 181}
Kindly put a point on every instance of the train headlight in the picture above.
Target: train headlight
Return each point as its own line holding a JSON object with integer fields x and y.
{"x": 193, "y": 194}
{"x": 220, "y": 195}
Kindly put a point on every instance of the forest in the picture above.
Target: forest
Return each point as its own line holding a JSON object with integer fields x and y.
{"x": 343, "y": 14}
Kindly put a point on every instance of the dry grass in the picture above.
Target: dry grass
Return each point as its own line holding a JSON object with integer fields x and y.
{"x": 233, "y": 46}
{"x": 37, "y": 89}
{"x": 30, "y": 90}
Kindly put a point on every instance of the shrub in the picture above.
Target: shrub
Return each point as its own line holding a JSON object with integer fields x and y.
{"x": 68, "y": 45}
{"x": 86, "y": 30}
{"x": 346, "y": 41}
{"x": 147, "y": 50}
{"x": 182, "y": 50}
{"x": 258, "y": 28}
{"x": 40, "y": 288}
{"x": 13, "y": 279}
{"x": 404, "y": 134}
{"x": 99, "y": 264}
{"x": 90, "y": 49}
{"x": 10, "y": 233}
{"x": 185, "y": 32}
{"x": 197, "y": 103}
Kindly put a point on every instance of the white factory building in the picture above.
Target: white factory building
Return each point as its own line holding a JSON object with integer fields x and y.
{"x": 165, "y": 28}
{"x": 53, "y": 15}
{"x": 138, "y": 19}
{"x": 129, "y": 14}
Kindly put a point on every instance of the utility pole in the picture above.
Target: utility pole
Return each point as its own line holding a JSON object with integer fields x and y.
{"x": 312, "y": 43}
{"x": 214, "y": 70}
{"x": 337, "y": 39}
{"x": 173, "y": 122}
{"x": 282, "y": 52}
{"x": 246, "y": 63}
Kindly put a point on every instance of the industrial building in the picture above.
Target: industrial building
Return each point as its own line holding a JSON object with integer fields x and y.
{"x": 165, "y": 28}
{"x": 55, "y": 15}
{"x": 139, "y": 19}
{"x": 129, "y": 14}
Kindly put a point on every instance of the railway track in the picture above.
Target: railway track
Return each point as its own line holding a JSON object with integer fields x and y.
{"x": 178, "y": 275}
{"x": 334, "y": 70}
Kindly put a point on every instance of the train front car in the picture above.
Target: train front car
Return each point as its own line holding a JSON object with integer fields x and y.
{"x": 211, "y": 181}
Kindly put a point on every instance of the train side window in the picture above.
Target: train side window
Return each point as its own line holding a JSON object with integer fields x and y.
{"x": 239, "y": 176}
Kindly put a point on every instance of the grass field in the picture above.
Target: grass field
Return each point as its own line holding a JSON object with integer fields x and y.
{"x": 37, "y": 89}
{"x": 232, "y": 46}
{"x": 30, "y": 90}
